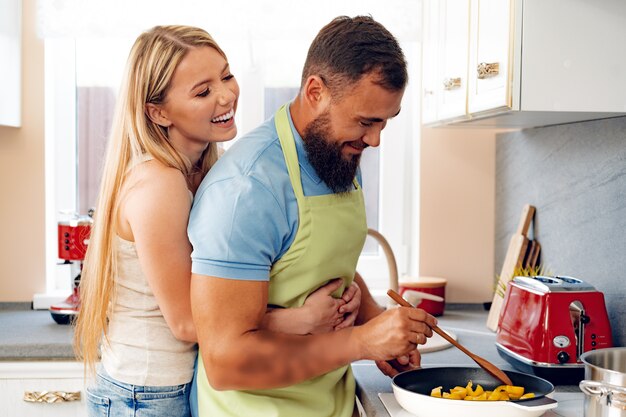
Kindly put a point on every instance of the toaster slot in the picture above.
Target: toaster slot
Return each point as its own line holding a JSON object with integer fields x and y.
{"x": 579, "y": 319}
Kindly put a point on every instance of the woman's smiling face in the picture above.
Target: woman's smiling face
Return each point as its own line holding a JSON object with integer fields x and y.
{"x": 201, "y": 101}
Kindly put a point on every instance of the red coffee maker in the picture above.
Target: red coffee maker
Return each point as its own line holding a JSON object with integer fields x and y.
{"x": 73, "y": 237}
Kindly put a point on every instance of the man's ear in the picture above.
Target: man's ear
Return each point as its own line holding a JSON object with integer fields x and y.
{"x": 156, "y": 113}
{"x": 316, "y": 93}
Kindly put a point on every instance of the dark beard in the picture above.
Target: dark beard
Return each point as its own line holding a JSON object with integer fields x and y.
{"x": 326, "y": 157}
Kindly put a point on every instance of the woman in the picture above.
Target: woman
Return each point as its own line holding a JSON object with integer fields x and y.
{"x": 177, "y": 101}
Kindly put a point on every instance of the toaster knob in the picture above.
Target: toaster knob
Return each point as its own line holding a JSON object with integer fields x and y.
{"x": 562, "y": 357}
{"x": 584, "y": 319}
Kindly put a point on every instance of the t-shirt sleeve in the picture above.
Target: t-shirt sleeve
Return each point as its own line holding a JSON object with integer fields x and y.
{"x": 236, "y": 228}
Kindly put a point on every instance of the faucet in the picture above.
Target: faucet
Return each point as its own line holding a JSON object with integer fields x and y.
{"x": 391, "y": 262}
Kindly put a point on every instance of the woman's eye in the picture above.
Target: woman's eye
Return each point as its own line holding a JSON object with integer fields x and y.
{"x": 203, "y": 93}
{"x": 229, "y": 77}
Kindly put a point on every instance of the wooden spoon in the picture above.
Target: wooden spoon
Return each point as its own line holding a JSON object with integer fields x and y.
{"x": 484, "y": 363}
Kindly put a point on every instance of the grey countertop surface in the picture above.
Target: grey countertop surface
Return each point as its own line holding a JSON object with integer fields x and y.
{"x": 33, "y": 335}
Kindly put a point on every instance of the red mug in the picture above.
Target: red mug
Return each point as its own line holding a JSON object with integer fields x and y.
{"x": 428, "y": 292}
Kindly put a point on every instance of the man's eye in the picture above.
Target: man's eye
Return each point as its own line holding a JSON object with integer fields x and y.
{"x": 365, "y": 124}
{"x": 203, "y": 93}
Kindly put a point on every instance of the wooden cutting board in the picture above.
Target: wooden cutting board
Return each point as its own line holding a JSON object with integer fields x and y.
{"x": 515, "y": 255}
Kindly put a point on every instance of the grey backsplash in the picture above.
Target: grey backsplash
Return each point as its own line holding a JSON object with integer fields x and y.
{"x": 575, "y": 175}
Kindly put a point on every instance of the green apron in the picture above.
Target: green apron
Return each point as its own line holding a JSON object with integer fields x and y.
{"x": 331, "y": 232}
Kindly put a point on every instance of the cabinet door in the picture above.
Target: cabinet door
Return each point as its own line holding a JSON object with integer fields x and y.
{"x": 11, "y": 67}
{"x": 491, "y": 38}
{"x": 430, "y": 60}
{"x": 454, "y": 18}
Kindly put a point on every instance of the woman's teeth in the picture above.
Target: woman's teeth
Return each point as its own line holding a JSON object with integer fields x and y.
{"x": 224, "y": 118}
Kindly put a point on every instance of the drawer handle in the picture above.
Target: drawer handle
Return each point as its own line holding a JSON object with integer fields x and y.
{"x": 51, "y": 396}
{"x": 451, "y": 83}
{"x": 486, "y": 70}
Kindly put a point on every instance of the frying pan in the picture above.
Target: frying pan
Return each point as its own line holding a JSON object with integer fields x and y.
{"x": 412, "y": 391}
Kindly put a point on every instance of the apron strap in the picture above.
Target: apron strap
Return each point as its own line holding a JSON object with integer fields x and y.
{"x": 287, "y": 142}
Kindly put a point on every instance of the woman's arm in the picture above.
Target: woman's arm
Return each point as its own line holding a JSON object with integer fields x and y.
{"x": 319, "y": 314}
{"x": 154, "y": 214}
{"x": 350, "y": 310}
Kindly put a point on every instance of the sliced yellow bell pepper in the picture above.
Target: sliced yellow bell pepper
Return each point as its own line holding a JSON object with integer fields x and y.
{"x": 468, "y": 393}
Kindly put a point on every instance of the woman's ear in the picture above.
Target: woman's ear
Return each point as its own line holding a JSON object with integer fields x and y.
{"x": 316, "y": 93}
{"x": 157, "y": 114}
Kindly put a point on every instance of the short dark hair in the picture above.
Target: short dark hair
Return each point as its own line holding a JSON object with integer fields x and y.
{"x": 348, "y": 48}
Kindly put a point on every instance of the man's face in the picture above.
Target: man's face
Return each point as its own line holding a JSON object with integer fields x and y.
{"x": 335, "y": 140}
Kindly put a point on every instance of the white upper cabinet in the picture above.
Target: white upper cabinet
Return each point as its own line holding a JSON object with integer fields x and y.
{"x": 523, "y": 63}
{"x": 430, "y": 70}
{"x": 453, "y": 58}
{"x": 489, "y": 63}
{"x": 11, "y": 59}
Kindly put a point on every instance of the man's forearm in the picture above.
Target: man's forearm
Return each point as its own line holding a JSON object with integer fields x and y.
{"x": 369, "y": 307}
{"x": 263, "y": 359}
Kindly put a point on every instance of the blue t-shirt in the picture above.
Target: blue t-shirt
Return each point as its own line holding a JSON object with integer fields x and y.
{"x": 245, "y": 213}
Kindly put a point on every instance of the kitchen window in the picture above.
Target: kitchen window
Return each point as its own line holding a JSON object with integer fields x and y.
{"x": 84, "y": 65}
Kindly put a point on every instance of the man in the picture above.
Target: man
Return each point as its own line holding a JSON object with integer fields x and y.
{"x": 281, "y": 214}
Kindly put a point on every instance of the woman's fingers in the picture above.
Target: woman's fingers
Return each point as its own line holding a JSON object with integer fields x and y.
{"x": 331, "y": 286}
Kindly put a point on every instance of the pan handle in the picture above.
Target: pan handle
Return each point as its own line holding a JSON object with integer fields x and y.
{"x": 539, "y": 404}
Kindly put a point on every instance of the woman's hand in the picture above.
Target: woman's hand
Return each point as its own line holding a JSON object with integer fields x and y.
{"x": 350, "y": 311}
{"x": 321, "y": 310}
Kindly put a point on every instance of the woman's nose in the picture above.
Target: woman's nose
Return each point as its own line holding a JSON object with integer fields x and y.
{"x": 227, "y": 96}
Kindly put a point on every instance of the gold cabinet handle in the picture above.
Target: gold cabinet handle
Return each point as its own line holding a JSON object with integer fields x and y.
{"x": 51, "y": 396}
{"x": 451, "y": 83}
{"x": 486, "y": 70}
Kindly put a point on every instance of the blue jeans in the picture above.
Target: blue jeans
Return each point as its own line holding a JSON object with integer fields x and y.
{"x": 111, "y": 398}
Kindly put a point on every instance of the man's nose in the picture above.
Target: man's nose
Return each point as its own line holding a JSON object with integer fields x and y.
{"x": 372, "y": 137}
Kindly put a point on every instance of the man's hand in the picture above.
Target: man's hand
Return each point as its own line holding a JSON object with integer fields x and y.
{"x": 395, "y": 333}
{"x": 403, "y": 363}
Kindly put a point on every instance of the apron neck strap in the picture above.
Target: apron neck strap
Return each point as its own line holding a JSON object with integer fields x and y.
{"x": 288, "y": 143}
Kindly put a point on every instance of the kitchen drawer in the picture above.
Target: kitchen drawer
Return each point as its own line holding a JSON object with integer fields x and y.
{"x": 60, "y": 379}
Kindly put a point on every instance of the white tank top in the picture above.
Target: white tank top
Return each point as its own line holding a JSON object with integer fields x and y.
{"x": 142, "y": 350}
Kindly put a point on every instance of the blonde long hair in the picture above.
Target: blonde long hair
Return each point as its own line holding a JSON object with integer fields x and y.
{"x": 151, "y": 64}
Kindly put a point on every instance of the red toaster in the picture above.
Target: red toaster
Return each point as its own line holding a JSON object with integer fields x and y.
{"x": 546, "y": 323}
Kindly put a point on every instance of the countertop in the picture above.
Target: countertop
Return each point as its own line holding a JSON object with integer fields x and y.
{"x": 27, "y": 334}
{"x": 33, "y": 335}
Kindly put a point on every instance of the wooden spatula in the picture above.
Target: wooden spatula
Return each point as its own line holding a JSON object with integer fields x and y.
{"x": 484, "y": 363}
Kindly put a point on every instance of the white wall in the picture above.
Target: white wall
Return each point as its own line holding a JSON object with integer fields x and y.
{"x": 457, "y": 211}
{"x": 22, "y": 178}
